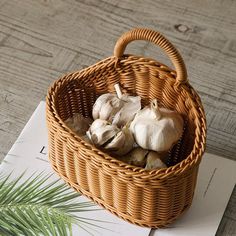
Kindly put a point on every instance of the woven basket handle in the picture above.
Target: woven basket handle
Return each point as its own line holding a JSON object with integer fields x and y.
{"x": 159, "y": 40}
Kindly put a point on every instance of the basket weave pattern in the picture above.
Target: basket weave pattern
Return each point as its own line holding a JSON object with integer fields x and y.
{"x": 151, "y": 198}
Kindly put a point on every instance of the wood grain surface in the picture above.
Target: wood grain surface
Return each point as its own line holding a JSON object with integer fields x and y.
{"x": 42, "y": 39}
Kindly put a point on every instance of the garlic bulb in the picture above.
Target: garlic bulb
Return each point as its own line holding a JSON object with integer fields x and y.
{"x": 118, "y": 109}
{"x": 78, "y": 124}
{"x": 110, "y": 137}
{"x": 106, "y": 106}
{"x": 122, "y": 142}
{"x": 136, "y": 157}
{"x": 101, "y": 131}
{"x": 131, "y": 105}
{"x": 154, "y": 161}
{"x": 157, "y": 129}
{"x": 145, "y": 158}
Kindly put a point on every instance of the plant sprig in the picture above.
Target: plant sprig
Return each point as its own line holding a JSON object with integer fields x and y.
{"x": 36, "y": 206}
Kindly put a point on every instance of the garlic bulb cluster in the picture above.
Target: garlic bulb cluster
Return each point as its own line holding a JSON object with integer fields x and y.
{"x": 145, "y": 158}
{"x": 157, "y": 129}
{"x": 140, "y": 137}
{"x": 109, "y": 137}
{"x": 119, "y": 109}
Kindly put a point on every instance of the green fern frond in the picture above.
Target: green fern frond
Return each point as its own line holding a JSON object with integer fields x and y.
{"x": 39, "y": 207}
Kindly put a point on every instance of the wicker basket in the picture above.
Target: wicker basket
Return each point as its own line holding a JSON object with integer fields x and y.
{"x": 151, "y": 198}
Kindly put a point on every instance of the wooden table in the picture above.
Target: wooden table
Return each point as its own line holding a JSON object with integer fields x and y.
{"x": 41, "y": 40}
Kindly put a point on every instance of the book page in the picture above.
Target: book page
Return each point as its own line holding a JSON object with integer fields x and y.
{"x": 215, "y": 183}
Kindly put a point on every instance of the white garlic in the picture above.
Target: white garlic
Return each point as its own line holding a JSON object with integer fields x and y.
{"x": 108, "y": 136}
{"x": 122, "y": 143}
{"x": 101, "y": 131}
{"x": 126, "y": 114}
{"x": 154, "y": 161}
{"x": 118, "y": 109}
{"x": 78, "y": 124}
{"x": 157, "y": 129}
{"x": 106, "y": 106}
{"x": 145, "y": 158}
{"x": 136, "y": 157}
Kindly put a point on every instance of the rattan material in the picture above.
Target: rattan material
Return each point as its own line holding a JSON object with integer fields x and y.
{"x": 148, "y": 198}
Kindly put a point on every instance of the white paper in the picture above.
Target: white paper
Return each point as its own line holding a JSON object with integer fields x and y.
{"x": 216, "y": 179}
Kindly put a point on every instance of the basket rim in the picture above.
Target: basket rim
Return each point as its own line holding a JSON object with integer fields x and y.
{"x": 193, "y": 159}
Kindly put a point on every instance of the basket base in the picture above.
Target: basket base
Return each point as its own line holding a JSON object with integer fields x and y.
{"x": 122, "y": 215}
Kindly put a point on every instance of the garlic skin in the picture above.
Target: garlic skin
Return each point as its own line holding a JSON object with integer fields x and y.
{"x": 131, "y": 105}
{"x": 137, "y": 157}
{"x": 145, "y": 158}
{"x": 118, "y": 108}
{"x": 154, "y": 161}
{"x": 108, "y": 136}
{"x": 106, "y": 106}
{"x": 98, "y": 124}
{"x": 157, "y": 129}
{"x": 78, "y": 124}
{"x": 122, "y": 143}
{"x": 101, "y": 131}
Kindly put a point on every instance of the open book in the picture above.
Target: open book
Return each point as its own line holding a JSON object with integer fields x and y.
{"x": 29, "y": 154}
